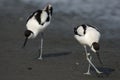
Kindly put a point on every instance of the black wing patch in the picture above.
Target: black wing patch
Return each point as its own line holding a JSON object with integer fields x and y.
{"x": 38, "y": 16}
{"x": 84, "y": 27}
{"x": 93, "y": 27}
{"x": 30, "y": 16}
{"x": 48, "y": 19}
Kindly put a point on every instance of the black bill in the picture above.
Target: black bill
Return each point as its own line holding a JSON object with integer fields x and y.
{"x": 25, "y": 42}
{"x": 98, "y": 56}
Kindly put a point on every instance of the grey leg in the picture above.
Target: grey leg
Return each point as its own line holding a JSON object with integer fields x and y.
{"x": 88, "y": 72}
{"x": 89, "y": 60}
{"x": 41, "y": 47}
{"x": 87, "y": 55}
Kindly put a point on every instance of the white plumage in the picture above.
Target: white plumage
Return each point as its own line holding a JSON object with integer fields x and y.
{"x": 88, "y": 35}
{"x": 34, "y": 26}
{"x": 91, "y": 35}
{"x": 37, "y": 23}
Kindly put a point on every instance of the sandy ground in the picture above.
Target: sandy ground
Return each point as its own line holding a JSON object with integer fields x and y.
{"x": 64, "y": 58}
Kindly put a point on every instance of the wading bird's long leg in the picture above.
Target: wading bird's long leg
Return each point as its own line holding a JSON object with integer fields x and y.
{"x": 87, "y": 57}
{"x": 41, "y": 47}
{"x": 88, "y": 72}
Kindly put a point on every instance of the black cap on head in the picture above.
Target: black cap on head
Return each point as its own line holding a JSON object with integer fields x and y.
{"x": 27, "y": 33}
{"x": 96, "y": 46}
{"x": 75, "y": 30}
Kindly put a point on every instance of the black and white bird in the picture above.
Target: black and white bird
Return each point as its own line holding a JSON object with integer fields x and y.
{"x": 37, "y": 23}
{"x": 88, "y": 35}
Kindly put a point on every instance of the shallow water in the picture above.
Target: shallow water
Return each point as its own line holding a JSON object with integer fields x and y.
{"x": 101, "y": 13}
{"x": 64, "y": 58}
{"x": 96, "y": 9}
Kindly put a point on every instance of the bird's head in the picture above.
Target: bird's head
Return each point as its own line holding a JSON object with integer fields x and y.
{"x": 76, "y": 30}
{"x": 28, "y": 34}
{"x": 95, "y": 47}
{"x": 49, "y": 9}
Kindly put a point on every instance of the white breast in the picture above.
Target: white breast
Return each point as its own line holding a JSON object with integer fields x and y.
{"x": 33, "y": 25}
{"x": 92, "y": 35}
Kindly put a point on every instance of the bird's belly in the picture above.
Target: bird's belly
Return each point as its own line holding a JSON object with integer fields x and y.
{"x": 35, "y": 27}
{"x": 90, "y": 38}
